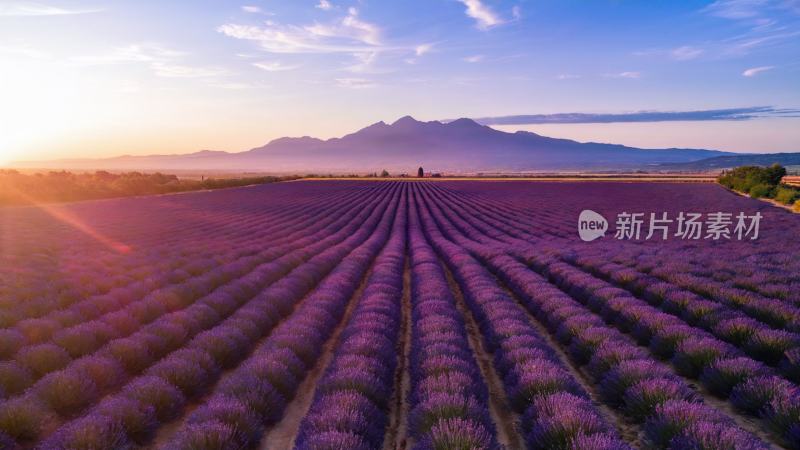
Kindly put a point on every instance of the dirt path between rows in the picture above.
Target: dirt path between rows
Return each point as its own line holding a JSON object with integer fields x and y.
{"x": 396, "y": 434}
{"x": 503, "y": 416}
{"x": 282, "y": 435}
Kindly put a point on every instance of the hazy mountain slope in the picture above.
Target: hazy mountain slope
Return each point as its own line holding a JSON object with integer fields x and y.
{"x": 730, "y": 161}
{"x": 461, "y": 145}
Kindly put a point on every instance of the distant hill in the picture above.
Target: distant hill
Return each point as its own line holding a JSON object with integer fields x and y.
{"x": 459, "y": 146}
{"x": 731, "y": 161}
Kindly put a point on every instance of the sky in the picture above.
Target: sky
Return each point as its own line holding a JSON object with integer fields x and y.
{"x": 96, "y": 78}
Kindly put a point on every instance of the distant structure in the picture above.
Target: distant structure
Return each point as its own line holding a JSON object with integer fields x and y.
{"x": 384, "y": 174}
{"x": 420, "y": 173}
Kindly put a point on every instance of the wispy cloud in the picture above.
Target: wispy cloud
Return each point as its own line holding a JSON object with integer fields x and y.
{"x": 364, "y": 62}
{"x": 768, "y": 22}
{"x": 163, "y": 61}
{"x": 423, "y": 49}
{"x": 747, "y": 113}
{"x": 627, "y": 74}
{"x": 350, "y": 27}
{"x": 251, "y": 9}
{"x": 273, "y": 66}
{"x": 20, "y": 8}
{"x": 348, "y": 34}
{"x": 474, "y": 59}
{"x": 736, "y": 9}
{"x": 756, "y": 70}
{"x": 567, "y": 76}
{"x": 484, "y": 16}
{"x": 324, "y": 5}
{"x": 170, "y": 70}
{"x": 23, "y": 50}
{"x": 355, "y": 83}
{"x": 685, "y": 53}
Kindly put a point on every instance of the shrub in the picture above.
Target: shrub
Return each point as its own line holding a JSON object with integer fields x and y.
{"x": 457, "y": 434}
{"x": 334, "y": 440}
{"x": 131, "y": 352}
{"x": 22, "y": 418}
{"x": 694, "y": 354}
{"x": 769, "y": 345}
{"x": 431, "y": 410}
{"x": 755, "y": 393}
{"x": 37, "y": 331}
{"x": 93, "y": 432}
{"x": 641, "y": 399}
{"x": 627, "y": 373}
{"x": 721, "y": 376}
{"x": 761, "y": 190}
{"x": 214, "y": 435}
{"x": 10, "y": 342}
{"x": 14, "y": 378}
{"x": 185, "y": 374}
{"x": 233, "y": 412}
{"x": 255, "y": 392}
{"x": 713, "y": 436}
{"x": 673, "y": 417}
{"x": 558, "y": 430}
{"x": 786, "y": 195}
{"x": 165, "y": 398}
{"x": 138, "y": 421}
{"x": 43, "y": 358}
{"x": 104, "y": 371}
{"x": 67, "y": 391}
{"x": 77, "y": 341}
{"x": 598, "y": 441}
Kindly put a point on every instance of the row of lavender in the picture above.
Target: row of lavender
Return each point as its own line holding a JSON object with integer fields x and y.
{"x": 159, "y": 349}
{"x": 693, "y": 352}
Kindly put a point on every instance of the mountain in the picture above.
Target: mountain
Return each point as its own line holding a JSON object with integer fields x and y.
{"x": 462, "y": 145}
{"x": 730, "y": 161}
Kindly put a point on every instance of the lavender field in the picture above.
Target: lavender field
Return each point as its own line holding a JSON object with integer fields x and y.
{"x": 350, "y": 315}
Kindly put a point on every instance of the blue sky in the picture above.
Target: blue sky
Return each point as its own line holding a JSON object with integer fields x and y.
{"x": 106, "y": 77}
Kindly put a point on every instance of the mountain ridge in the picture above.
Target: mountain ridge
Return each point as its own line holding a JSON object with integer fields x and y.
{"x": 461, "y": 145}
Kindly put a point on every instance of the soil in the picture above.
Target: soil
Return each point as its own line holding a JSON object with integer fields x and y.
{"x": 282, "y": 435}
{"x": 503, "y": 416}
{"x": 396, "y": 434}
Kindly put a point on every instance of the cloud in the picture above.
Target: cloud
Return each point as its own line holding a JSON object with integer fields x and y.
{"x": 567, "y": 76}
{"x": 756, "y": 70}
{"x": 474, "y": 59}
{"x": 348, "y": 34}
{"x": 629, "y": 75}
{"x": 324, "y": 5}
{"x": 23, "y": 50}
{"x": 251, "y": 9}
{"x": 169, "y": 70}
{"x": 20, "y": 8}
{"x": 747, "y": 113}
{"x": 736, "y": 9}
{"x": 355, "y": 83}
{"x": 144, "y": 52}
{"x": 769, "y": 22}
{"x": 482, "y": 14}
{"x": 364, "y": 62}
{"x": 273, "y": 66}
{"x": 423, "y": 49}
{"x": 685, "y": 53}
{"x": 163, "y": 62}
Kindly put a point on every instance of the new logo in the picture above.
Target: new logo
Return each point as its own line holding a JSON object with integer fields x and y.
{"x": 591, "y": 225}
